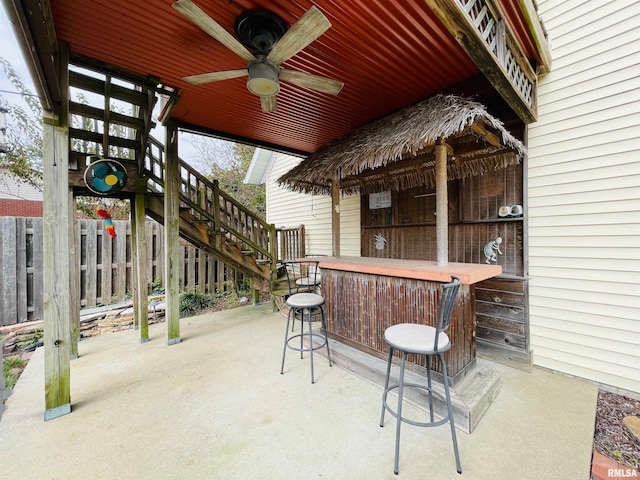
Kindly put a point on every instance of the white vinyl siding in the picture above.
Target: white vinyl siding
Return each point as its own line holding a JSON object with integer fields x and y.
{"x": 11, "y": 188}
{"x": 584, "y": 194}
{"x": 290, "y": 209}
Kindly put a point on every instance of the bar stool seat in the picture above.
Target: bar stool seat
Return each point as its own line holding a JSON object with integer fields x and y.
{"x": 307, "y": 282}
{"x": 299, "y": 304}
{"x": 412, "y": 338}
{"x": 418, "y": 339}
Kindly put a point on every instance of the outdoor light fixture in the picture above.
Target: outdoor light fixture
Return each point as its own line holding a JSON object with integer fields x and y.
{"x": 263, "y": 78}
{"x": 4, "y": 148}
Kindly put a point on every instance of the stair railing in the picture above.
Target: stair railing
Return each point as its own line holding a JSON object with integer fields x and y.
{"x": 228, "y": 219}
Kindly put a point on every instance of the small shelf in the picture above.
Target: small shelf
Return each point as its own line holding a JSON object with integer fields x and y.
{"x": 494, "y": 220}
{"x": 403, "y": 225}
{"x": 462, "y": 222}
{"x": 510, "y": 276}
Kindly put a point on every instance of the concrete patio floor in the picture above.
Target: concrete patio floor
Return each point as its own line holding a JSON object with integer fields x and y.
{"x": 216, "y": 407}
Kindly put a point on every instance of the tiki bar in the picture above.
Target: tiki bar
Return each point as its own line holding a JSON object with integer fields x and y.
{"x": 435, "y": 180}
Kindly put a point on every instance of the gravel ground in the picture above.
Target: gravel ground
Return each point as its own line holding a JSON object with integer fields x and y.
{"x": 612, "y": 438}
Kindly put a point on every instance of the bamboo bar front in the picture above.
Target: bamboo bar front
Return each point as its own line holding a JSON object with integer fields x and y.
{"x": 364, "y": 296}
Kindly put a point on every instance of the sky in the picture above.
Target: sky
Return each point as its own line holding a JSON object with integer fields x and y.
{"x": 11, "y": 51}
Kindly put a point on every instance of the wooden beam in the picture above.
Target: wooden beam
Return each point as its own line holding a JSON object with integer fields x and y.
{"x": 139, "y": 250}
{"x": 74, "y": 277}
{"x": 104, "y": 87}
{"x": 530, "y": 11}
{"x": 490, "y": 137}
{"x": 335, "y": 216}
{"x": 501, "y": 65}
{"x": 442, "y": 210}
{"x": 56, "y": 247}
{"x": 172, "y": 233}
{"x": 33, "y": 25}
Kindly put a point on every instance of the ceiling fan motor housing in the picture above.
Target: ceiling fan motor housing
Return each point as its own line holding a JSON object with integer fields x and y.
{"x": 259, "y": 30}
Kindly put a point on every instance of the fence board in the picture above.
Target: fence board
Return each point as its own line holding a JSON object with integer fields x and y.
{"x": 119, "y": 266}
{"x": 8, "y": 273}
{"x": 107, "y": 258}
{"x": 21, "y": 268}
{"x": 105, "y": 266}
{"x": 90, "y": 263}
{"x": 34, "y": 246}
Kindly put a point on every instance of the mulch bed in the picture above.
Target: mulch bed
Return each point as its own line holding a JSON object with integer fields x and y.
{"x": 612, "y": 438}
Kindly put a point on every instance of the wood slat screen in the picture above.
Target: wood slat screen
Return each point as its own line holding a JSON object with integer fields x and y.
{"x": 359, "y": 307}
{"x": 105, "y": 266}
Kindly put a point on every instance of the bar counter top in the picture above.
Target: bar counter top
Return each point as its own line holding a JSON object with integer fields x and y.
{"x": 468, "y": 273}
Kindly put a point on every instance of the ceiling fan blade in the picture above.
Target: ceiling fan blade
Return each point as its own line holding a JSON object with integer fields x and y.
{"x": 308, "y": 27}
{"x": 215, "y": 76}
{"x": 209, "y": 25}
{"x": 269, "y": 104}
{"x": 314, "y": 82}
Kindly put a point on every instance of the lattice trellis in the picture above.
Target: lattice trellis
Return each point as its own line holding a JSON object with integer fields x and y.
{"x": 488, "y": 25}
{"x": 518, "y": 77}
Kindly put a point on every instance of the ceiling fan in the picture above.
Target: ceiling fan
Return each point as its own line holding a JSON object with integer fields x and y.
{"x": 266, "y": 34}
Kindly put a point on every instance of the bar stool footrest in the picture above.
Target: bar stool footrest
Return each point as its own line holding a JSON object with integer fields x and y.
{"x": 313, "y": 346}
{"x": 389, "y": 409}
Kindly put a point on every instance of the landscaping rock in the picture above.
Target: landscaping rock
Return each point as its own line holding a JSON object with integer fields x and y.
{"x": 632, "y": 422}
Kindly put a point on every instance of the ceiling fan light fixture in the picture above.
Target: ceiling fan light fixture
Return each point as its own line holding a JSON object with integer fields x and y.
{"x": 263, "y": 79}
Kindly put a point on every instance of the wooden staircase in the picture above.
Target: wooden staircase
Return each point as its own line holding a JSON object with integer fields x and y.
{"x": 209, "y": 218}
{"x": 212, "y": 220}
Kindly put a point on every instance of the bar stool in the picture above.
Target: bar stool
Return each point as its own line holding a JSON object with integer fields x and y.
{"x": 303, "y": 299}
{"x": 302, "y": 276}
{"x": 428, "y": 341}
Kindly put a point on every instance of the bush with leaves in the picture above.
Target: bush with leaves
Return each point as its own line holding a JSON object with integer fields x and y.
{"x": 23, "y": 135}
{"x": 193, "y": 302}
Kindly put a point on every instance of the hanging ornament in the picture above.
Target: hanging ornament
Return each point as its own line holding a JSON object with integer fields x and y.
{"x": 108, "y": 223}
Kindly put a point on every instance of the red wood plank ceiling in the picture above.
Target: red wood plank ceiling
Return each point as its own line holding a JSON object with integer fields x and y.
{"x": 389, "y": 54}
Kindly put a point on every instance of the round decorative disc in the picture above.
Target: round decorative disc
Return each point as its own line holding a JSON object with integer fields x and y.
{"x": 105, "y": 176}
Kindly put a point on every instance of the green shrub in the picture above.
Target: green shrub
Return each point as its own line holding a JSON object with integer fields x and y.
{"x": 192, "y": 302}
{"x": 11, "y": 369}
{"x": 156, "y": 287}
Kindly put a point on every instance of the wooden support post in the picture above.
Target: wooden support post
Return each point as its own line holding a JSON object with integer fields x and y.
{"x": 442, "y": 217}
{"x": 171, "y": 233}
{"x": 141, "y": 277}
{"x": 56, "y": 247}
{"x": 135, "y": 286}
{"x": 74, "y": 277}
{"x": 335, "y": 216}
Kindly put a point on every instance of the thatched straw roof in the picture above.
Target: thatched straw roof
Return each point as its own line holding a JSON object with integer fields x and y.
{"x": 396, "y": 152}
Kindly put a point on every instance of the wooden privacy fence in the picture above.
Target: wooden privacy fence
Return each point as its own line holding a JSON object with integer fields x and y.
{"x": 105, "y": 266}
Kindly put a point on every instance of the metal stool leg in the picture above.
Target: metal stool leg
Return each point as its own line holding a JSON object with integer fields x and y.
{"x": 286, "y": 338}
{"x": 428, "y": 358}
{"x": 450, "y": 411}
{"x": 399, "y": 412}
{"x": 301, "y": 331}
{"x": 310, "y": 341}
{"x": 326, "y": 337}
{"x": 386, "y": 385}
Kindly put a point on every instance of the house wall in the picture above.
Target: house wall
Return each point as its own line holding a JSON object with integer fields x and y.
{"x": 584, "y": 195}
{"x": 290, "y": 209}
{"x": 18, "y": 199}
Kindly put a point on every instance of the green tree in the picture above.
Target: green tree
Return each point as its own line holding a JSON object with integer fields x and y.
{"x": 24, "y": 132}
{"x": 228, "y": 163}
